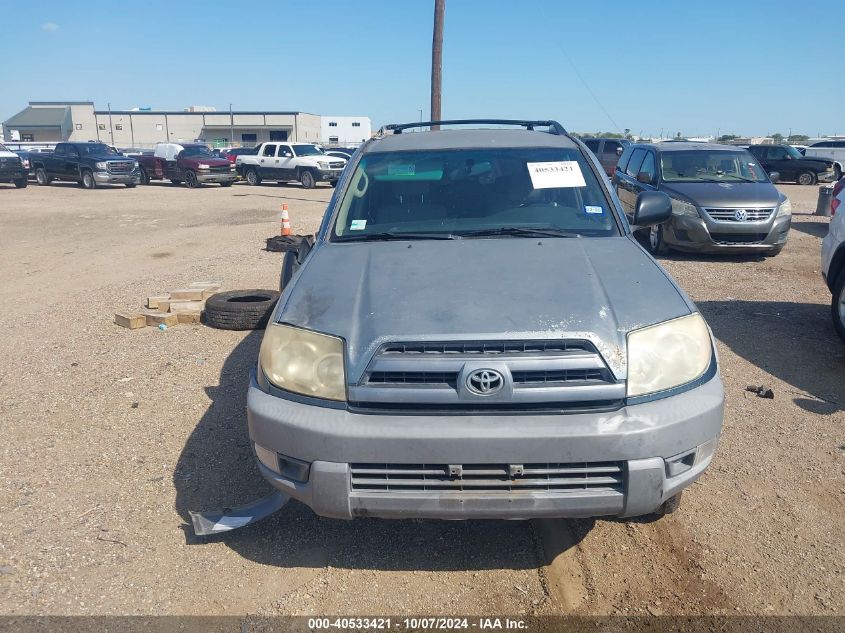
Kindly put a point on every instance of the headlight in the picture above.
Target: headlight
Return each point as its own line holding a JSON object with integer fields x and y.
{"x": 680, "y": 207}
{"x": 784, "y": 208}
{"x": 322, "y": 164}
{"x": 25, "y": 163}
{"x": 203, "y": 166}
{"x": 102, "y": 165}
{"x": 303, "y": 362}
{"x": 668, "y": 354}
{"x": 135, "y": 164}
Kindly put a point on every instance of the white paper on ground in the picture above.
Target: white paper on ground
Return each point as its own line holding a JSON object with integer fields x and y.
{"x": 564, "y": 173}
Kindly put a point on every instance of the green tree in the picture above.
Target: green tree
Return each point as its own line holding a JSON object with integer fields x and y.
{"x": 725, "y": 138}
{"x": 798, "y": 139}
{"x": 777, "y": 137}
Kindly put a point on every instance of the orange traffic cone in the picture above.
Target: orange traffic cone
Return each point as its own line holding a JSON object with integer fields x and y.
{"x": 285, "y": 220}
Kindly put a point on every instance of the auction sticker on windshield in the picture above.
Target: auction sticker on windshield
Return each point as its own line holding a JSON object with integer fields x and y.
{"x": 564, "y": 173}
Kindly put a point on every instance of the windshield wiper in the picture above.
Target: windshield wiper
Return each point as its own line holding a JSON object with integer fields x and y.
{"x": 520, "y": 231}
{"x": 390, "y": 235}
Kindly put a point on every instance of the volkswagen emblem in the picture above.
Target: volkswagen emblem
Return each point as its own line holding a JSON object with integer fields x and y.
{"x": 740, "y": 215}
{"x": 485, "y": 382}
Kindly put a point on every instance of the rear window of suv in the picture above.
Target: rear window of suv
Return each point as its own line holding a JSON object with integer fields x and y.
{"x": 458, "y": 192}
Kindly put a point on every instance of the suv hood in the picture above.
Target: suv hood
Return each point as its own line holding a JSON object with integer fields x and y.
{"x": 371, "y": 293}
{"x": 725, "y": 194}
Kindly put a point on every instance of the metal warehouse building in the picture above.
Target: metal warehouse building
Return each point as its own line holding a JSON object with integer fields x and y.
{"x": 53, "y": 121}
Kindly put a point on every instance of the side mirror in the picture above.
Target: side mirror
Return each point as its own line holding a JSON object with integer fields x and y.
{"x": 619, "y": 151}
{"x": 774, "y": 176}
{"x": 788, "y": 157}
{"x": 644, "y": 177}
{"x": 305, "y": 247}
{"x": 653, "y": 207}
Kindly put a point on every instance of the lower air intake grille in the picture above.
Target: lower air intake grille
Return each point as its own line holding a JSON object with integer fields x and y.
{"x": 525, "y": 478}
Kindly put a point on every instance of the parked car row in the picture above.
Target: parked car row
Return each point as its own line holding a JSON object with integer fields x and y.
{"x": 94, "y": 163}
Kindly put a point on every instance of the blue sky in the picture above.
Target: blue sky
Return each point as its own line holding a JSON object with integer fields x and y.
{"x": 731, "y": 67}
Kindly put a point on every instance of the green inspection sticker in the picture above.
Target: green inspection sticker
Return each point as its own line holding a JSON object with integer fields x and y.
{"x": 358, "y": 225}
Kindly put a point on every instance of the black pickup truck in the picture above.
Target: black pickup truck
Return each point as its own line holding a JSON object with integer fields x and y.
{"x": 11, "y": 168}
{"x": 89, "y": 164}
{"x": 792, "y": 166}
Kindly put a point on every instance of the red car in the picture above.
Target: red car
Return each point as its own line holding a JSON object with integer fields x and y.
{"x": 191, "y": 163}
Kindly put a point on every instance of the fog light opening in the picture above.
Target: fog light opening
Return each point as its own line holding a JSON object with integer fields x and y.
{"x": 268, "y": 458}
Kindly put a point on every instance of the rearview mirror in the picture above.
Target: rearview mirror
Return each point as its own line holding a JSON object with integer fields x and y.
{"x": 653, "y": 207}
{"x": 774, "y": 176}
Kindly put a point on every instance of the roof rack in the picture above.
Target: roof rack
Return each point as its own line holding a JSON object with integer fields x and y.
{"x": 554, "y": 126}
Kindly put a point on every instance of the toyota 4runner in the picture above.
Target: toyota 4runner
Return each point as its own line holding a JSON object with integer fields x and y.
{"x": 475, "y": 333}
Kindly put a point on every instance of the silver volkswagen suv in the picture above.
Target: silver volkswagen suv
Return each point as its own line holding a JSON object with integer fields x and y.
{"x": 475, "y": 333}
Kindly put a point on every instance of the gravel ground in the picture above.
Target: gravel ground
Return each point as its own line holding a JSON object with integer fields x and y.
{"x": 111, "y": 435}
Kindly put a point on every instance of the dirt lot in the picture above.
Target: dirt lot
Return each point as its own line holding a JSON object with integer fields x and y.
{"x": 110, "y": 436}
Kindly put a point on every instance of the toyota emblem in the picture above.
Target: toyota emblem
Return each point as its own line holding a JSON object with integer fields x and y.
{"x": 485, "y": 382}
{"x": 740, "y": 215}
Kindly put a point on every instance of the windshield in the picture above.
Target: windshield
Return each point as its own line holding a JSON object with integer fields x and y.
{"x": 197, "y": 151}
{"x": 484, "y": 192}
{"x": 96, "y": 149}
{"x": 3, "y": 148}
{"x": 711, "y": 166}
{"x": 306, "y": 150}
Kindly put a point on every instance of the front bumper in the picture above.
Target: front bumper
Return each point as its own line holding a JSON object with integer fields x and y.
{"x": 330, "y": 174}
{"x": 105, "y": 177}
{"x": 643, "y": 438}
{"x": 826, "y": 176}
{"x": 695, "y": 234}
{"x": 8, "y": 175}
{"x": 229, "y": 176}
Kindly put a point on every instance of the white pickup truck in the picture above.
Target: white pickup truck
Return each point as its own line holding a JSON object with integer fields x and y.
{"x": 283, "y": 162}
{"x": 831, "y": 150}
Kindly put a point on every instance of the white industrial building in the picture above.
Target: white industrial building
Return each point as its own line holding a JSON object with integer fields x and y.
{"x": 53, "y": 121}
{"x": 345, "y": 130}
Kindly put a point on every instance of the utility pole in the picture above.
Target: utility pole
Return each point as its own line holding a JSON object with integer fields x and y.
{"x": 111, "y": 128}
{"x": 231, "y": 126}
{"x": 437, "y": 61}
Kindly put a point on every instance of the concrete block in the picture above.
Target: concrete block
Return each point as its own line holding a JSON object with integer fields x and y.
{"x": 205, "y": 284}
{"x": 157, "y": 318}
{"x": 187, "y": 306}
{"x": 131, "y": 320}
{"x": 189, "y": 316}
{"x": 210, "y": 290}
{"x": 154, "y": 302}
{"x": 186, "y": 294}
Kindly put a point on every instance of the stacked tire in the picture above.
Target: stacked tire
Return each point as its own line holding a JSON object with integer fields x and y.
{"x": 240, "y": 309}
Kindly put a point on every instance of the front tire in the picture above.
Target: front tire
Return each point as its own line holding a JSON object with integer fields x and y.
{"x": 145, "y": 177}
{"x": 226, "y": 184}
{"x": 88, "y": 180}
{"x": 21, "y": 183}
{"x": 130, "y": 185}
{"x": 253, "y": 178}
{"x": 806, "y": 178}
{"x": 837, "y": 305}
{"x": 306, "y": 178}
{"x": 41, "y": 177}
{"x": 191, "y": 180}
{"x": 655, "y": 243}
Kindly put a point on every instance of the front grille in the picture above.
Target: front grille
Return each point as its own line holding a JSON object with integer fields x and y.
{"x": 337, "y": 165}
{"x": 738, "y": 238}
{"x": 561, "y": 376}
{"x": 120, "y": 167}
{"x": 414, "y": 378}
{"x": 535, "y": 373}
{"x": 513, "y": 478}
{"x": 489, "y": 347}
{"x": 10, "y": 163}
{"x": 729, "y": 215}
{"x": 220, "y": 169}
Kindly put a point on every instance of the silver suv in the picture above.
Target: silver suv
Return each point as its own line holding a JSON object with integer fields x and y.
{"x": 475, "y": 333}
